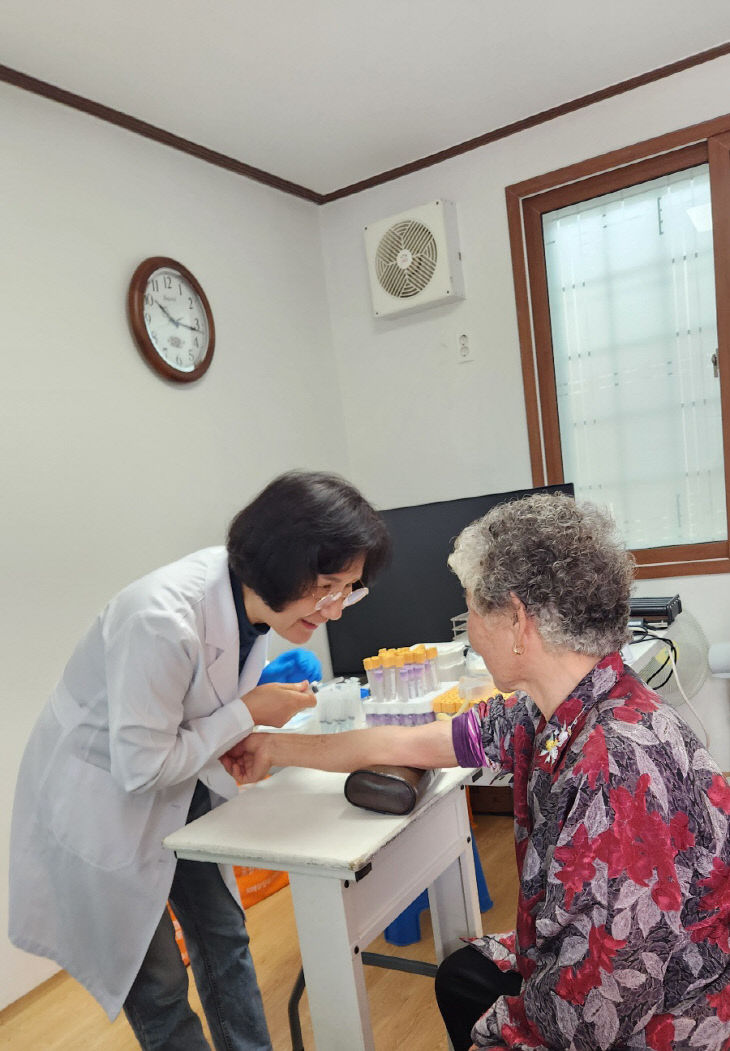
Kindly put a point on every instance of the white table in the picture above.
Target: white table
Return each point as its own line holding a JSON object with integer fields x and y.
{"x": 351, "y": 873}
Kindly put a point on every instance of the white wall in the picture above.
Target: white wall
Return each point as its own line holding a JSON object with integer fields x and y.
{"x": 423, "y": 426}
{"x": 107, "y": 470}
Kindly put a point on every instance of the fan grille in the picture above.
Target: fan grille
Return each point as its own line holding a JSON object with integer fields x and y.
{"x": 406, "y": 259}
{"x": 691, "y": 660}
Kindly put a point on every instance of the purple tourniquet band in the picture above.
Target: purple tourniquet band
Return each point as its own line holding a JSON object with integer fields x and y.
{"x": 467, "y": 739}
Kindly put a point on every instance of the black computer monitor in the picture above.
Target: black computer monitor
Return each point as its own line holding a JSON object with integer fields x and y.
{"x": 414, "y": 599}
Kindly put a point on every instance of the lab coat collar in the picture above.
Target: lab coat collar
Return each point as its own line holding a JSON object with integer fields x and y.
{"x": 221, "y": 625}
{"x": 221, "y": 628}
{"x": 221, "y": 634}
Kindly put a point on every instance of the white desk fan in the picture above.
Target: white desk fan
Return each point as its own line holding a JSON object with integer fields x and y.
{"x": 680, "y": 669}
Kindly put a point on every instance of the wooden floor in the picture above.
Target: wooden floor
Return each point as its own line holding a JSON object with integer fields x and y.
{"x": 61, "y": 1016}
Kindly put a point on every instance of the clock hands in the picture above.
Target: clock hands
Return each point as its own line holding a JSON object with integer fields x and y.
{"x": 167, "y": 313}
{"x": 176, "y": 321}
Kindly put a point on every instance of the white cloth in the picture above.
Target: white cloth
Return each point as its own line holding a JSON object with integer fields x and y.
{"x": 146, "y": 704}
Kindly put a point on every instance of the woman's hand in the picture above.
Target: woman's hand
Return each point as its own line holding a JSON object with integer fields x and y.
{"x": 249, "y": 760}
{"x": 274, "y": 703}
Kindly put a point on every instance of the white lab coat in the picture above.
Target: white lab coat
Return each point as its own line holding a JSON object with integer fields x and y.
{"x": 148, "y": 701}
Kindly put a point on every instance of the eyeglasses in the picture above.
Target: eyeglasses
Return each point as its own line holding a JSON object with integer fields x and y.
{"x": 348, "y": 600}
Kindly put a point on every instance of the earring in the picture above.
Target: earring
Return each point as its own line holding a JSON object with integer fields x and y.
{"x": 519, "y": 650}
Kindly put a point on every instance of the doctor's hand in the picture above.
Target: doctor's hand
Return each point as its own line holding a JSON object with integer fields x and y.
{"x": 274, "y": 703}
{"x": 248, "y": 760}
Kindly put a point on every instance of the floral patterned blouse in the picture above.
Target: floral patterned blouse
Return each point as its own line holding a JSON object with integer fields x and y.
{"x": 623, "y": 856}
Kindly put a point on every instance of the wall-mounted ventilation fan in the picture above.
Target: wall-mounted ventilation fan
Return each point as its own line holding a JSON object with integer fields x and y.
{"x": 414, "y": 259}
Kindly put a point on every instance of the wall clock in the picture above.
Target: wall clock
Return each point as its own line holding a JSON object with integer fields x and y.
{"x": 171, "y": 319}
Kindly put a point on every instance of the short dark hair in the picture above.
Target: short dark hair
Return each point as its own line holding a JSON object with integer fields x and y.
{"x": 302, "y": 524}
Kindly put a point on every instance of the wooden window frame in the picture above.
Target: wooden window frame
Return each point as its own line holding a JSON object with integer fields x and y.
{"x": 527, "y": 202}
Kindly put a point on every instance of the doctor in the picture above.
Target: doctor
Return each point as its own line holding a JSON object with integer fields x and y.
{"x": 126, "y": 751}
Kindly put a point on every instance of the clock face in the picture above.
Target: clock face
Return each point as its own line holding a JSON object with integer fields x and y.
{"x": 175, "y": 320}
{"x": 171, "y": 319}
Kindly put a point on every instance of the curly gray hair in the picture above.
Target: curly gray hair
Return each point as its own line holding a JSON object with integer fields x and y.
{"x": 565, "y": 562}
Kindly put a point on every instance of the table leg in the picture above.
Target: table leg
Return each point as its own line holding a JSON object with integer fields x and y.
{"x": 332, "y": 962}
{"x": 454, "y": 902}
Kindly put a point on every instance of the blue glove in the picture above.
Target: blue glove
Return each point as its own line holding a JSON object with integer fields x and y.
{"x": 293, "y": 666}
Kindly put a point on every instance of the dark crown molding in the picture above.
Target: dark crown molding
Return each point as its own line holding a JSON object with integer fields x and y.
{"x": 166, "y": 138}
{"x": 149, "y": 131}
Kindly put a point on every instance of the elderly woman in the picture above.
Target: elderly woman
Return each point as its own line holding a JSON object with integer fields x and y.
{"x": 621, "y": 816}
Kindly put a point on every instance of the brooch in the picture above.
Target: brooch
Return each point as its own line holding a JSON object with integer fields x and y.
{"x": 555, "y": 742}
{"x": 553, "y": 745}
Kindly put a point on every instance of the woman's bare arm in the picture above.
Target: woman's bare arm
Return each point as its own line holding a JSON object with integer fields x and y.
{"x": 425, "y": 746}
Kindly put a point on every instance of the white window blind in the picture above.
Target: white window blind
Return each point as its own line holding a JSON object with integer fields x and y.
{"x": 632, "y": 311}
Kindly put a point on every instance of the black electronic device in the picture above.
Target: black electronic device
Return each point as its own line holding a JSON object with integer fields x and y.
{"x": 654, "y": 612}
{"x": 414, "y": 599}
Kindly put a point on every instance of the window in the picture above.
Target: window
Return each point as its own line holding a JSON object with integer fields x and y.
{"x": 622, "y": 279}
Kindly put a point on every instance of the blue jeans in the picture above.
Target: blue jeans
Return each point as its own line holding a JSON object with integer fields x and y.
{"x": 217, "y": 942}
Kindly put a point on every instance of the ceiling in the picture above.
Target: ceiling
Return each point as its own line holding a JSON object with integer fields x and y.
{"x": 326, "y": 93}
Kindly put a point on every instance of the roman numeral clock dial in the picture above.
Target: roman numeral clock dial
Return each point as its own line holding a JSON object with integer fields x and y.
{"x": 171, "y": 319}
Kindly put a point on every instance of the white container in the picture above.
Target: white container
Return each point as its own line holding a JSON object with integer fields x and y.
{"x": 450, "y": 659}
{"x": 475, "y": 664}
{"x": 339, "y": 707}
{"x": 472, "y": 687}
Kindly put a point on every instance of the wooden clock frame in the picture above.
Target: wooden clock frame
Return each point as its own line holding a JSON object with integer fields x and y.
{"x": 136, "y": 306}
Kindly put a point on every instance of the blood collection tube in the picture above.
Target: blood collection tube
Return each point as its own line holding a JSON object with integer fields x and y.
{"x": 418, "y": 670}
{"x": 389, "y": 681}
{"x": 374, "y": 672}
{"x": 432, "y": 671}
{"x": 401, "y": 672}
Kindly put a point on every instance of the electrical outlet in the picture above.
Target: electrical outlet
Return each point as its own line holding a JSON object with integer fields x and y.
{"x": 464, "y": 348}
